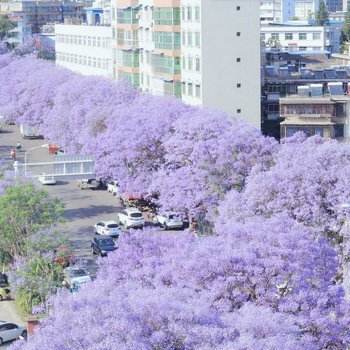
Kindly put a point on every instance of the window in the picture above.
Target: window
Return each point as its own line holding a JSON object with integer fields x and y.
{"x": 239, "y": 34}
{"x": 238, "y": 8}
{"x": 190, "y": 89}
{"x": 239, "y": 111}
{"x": 302, "y": 48}
{"x": 302, "y": 36}
{"x": 183, "y": 38}
{"x": 184, "y": 88}
{"x": 197, "y": 39}
{"x": 316, "y": 36}
{"x": 197, "y": 14}
{"x": 198, "y": 91}
{"x": 183, "y": 13}
{"x": 238, "y": 59}
{"x": 239, "y": 85}
{"x": 189, "y": 61}
{"x": 275, "y": 36}
{"x": 189, "y": 13}
{"x": 183, "y": 62}
{"x": 198, "y": 64}
{"x": 189, "y": 38}
{"x": 262, "y": 36}
{"x": 288, "y": 36}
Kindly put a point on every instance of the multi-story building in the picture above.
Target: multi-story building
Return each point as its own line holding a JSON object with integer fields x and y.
{"x": 306, "y": 9}
{"x": 299, "y": 76}
{"x": 84, "y": 49}
{"x": 302, "y": 36}
{"x": 315, "y": 111}
{"x": 200, "y": 51}
{"x": 39, "y": 13}
{"x": 334, "y": 5}
{"x": 276, "y": 10}
{"x": 21, "y": 29}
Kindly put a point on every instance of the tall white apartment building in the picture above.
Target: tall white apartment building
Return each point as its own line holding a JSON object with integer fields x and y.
{"x": 206, "y": 52}
{"x": 276, "y": 10}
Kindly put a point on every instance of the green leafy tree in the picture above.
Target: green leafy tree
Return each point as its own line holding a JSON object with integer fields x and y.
{"x": 274, "y": 43}
{"x": 6, "y": 27}
{"x": 322, "y": 16}
{"x": 24, "y": 210}
{"x": 345, "y": 33}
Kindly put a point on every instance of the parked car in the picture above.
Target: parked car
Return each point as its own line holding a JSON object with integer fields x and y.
{"x": 87, "y": 183}
{"x": 113, "y": 187}
{"x": 131, "y": 217}
{"x": 102, "y": 245}
{"x": 169, "y": 221}
{"x": 46, "y": 179}
{"x": 108, "y": 228}
{"x": 75, "y": 275}
{"x": 11, "y": 331}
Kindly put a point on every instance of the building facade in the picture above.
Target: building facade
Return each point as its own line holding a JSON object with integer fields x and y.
{"x": 276, "y": 10}
{"x": 22, "y": 30}
{"x": 39, "y": 13}
{"x": 301, "y": 36}
{"x": 306, "y": 9}
{"x": 201, "y": 51}
{"x": 84, "y": 49}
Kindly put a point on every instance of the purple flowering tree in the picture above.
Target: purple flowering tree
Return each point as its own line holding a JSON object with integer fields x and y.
{"x": 178, "y": 291}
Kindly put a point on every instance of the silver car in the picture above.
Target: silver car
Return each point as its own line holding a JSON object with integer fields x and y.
{"x": 75, "y": 275}
{"x": 11, "y": 331}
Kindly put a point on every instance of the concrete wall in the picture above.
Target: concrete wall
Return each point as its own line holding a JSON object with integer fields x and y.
{"x": 221, "y": 47}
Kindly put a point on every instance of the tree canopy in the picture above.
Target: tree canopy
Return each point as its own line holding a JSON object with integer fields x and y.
{"x": 271, "y": 270}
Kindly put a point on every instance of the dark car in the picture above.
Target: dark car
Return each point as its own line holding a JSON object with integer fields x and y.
{"x": 102, "y": 245}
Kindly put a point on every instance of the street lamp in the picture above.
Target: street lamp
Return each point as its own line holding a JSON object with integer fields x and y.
{"x": 46, "y": 145}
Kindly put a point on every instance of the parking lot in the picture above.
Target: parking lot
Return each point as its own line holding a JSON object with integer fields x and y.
{"x": 83, "y": 208}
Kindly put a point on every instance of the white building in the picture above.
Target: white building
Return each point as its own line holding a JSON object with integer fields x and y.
{"x": 302, "y": 36}
{"x": 221, "y": 63}
{"x": 276, "y": 10}
{"x": 306, "y": 9}
{"x": 84, "y": 49}
{"x": 22, "y": 30}
{"x": 201, "y": 51}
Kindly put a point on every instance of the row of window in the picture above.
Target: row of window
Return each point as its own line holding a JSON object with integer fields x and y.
{"x": 192, "y": 90}
{"x": 293, "y": 36}
{"x": 83, "y": 40}
{"x": 191, "y": 39}
{"x": 83, "y": 60}
{"x": 190, "y": 13}
{"x": 191, "y": 63}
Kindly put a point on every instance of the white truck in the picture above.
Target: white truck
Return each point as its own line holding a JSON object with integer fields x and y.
{"x": 169, "y": 221}
{"x": 29, "y": 132}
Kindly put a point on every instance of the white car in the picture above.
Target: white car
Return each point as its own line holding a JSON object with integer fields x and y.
{"x": 170, "y": 221}
{"x": 46, "y": 179}
{"x": 113, "y": 187}
{"x": 74, "y": 275}
{"x": 131, "y": 217}
{"x": 108, "y": 228}
{"x": 11, "y": 331}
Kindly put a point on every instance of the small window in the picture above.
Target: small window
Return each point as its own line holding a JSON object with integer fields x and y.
{"x": 238, "y": 34}
{"x": 239, "y": 85}
{"x": 238, "y": 8}
{"x": 239, "y": 111}
{"x": 238, "y": 59}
